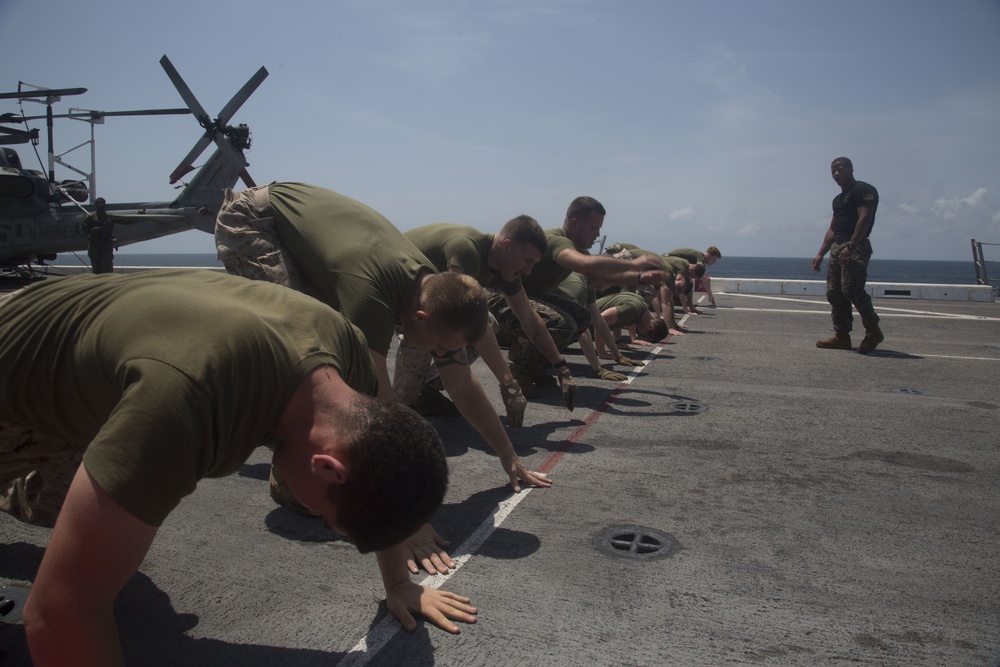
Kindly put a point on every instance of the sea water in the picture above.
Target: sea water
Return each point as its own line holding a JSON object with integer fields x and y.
{"x": 772, "y": 268}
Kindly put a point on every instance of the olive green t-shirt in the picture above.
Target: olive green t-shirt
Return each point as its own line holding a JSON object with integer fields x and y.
{"x": 170, "y": 376}
{"x": 576, "y": 288}
{"x": 354, "y": 260}
{"x": 466, "y": 248}
{"x": 546, "y": 274}
{"x": 678, "y": 266}
{"x": 636, "y": 251}
{"x": 630, "y": 307}
{"x": 690, "y": 254}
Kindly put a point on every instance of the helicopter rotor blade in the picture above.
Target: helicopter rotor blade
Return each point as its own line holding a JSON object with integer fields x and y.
{"x": 213, "y": 129}
{"x": 93, "y": 114}
{"x": 137, "y": 112}
{"x": 187, "y": 164}
{"x": 182, "y": 88}
{"x": 242, "y": 95}
{"x": 45, "y": 92}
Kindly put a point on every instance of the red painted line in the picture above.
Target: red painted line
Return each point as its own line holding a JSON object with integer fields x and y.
{"x": 550, "y": 462}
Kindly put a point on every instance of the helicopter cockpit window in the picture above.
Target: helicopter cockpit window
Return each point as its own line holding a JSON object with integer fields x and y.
{"x": 12, "y": 184}
{"x": 11, "y": 158}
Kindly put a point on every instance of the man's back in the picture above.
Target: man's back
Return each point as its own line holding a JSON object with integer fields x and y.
{"x": 353, "y": 258}
{"x": 162, "y": 371}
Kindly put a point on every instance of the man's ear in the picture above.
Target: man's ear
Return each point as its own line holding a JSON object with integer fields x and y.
{"x": 330, "y": 468}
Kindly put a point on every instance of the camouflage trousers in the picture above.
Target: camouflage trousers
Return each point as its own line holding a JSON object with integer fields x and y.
{"x": 565, "y": 319}
{"x": 35, "y": 473}
{"x": 416, "y": 367}
{"x": 35, "y": 470}
{"x": 102, "y": 256}
{"x": 247, "y": 242}
{"x": 845, "y": 286}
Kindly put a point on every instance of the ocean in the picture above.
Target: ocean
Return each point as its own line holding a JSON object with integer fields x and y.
{"x": 774, "y": 268}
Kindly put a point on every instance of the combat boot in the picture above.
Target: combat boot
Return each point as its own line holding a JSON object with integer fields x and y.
{"x": 872, "y": 338}
{"x": 840, "y": 340}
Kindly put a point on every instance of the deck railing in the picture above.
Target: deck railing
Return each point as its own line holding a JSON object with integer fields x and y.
{"x": 982, "y": 266}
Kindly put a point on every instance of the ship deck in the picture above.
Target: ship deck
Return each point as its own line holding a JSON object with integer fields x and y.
{"x": 795, "y": 506}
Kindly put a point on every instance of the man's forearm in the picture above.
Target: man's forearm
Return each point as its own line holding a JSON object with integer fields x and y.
{"x": 392, "y": 566}
{"x": 471, "y": 401}
{"x": 489, "y": 350}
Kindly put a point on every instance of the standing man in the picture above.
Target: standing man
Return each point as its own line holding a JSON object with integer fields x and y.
{"x": 101, "y": 235}
{"x": 850, "y": 251}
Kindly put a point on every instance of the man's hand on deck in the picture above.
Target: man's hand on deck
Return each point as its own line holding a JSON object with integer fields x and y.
{"x": 612, "y": 376}
{"x": 515, "y": 403}
{"x": 439, "y": 607}
{"x": 622, "y": 360}
{"x": 427, "y": 547}
{"x": 517, "y": 472}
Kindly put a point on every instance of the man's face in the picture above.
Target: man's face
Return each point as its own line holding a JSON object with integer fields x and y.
{"x": 517, "y": 259}
{"x": 679, "y": 284}
{"x": 710, "y": 260}
{"x": 584, "y": 231}
{"x": 645, "y": 324}
{"x": 842, "y": 173}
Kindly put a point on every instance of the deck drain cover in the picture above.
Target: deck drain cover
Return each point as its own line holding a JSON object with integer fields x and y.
{"x": 688, "y": 407}
{"x": 11, "y": 601}
{"x": 636, "y": 543}
{"x": 913, "y": 392}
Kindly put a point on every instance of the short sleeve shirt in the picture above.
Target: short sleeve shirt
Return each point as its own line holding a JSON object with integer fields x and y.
{"x": 576, "y": 288}
{"x": 690, "y": 254}
{"x": 846, "y": 205}
{"x": 630, "y": 307}
{"x": 353, "y": 259}
{"x": 465, "y": 248}
{"x": 636, "y": 251}
{"x": 170, "y": 376}
{"x": 546, "y": 274}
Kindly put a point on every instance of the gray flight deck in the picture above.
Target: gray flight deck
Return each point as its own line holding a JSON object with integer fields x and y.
{"x": 813, "y": 507}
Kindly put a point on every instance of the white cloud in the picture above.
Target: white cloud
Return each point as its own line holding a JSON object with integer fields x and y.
{"x": 952, "y": 207}
{"x": 686, "y": 213}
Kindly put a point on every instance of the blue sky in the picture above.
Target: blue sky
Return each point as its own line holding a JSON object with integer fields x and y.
{"x": 694, "y": 123}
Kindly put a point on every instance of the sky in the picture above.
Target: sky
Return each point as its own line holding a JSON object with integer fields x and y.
{"x": 695, "y": 123}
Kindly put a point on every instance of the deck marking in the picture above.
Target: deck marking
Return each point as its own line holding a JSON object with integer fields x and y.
{"x": 383, "y": 631}
{"x": 886, "y": 309}
{"x": 883, "y": 312}
{"x": 948, "y": 356}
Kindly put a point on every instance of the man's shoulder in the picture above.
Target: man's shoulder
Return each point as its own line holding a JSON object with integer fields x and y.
{"x": 445, "y": 229}
{"x": 863, "y": 192}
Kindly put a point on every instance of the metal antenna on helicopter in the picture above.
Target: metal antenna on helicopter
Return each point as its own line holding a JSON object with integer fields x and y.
{"x": 48, "y": 97}
{"x": 232, "y": 141}
{"x": 93, "y": 117}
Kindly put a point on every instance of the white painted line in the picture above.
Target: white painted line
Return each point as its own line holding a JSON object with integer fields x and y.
{"x": 881, "y": 309}
{"x": 946, "y": 356}
{"x": 383, "y": 631}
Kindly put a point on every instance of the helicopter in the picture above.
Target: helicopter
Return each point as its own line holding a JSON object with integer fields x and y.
{"x": 41, "y": 217}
